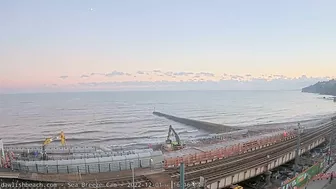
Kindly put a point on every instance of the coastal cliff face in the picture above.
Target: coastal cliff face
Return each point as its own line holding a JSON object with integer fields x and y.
{"x": 323, "y": 87}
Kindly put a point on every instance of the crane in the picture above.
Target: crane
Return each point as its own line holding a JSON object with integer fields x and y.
{"x": 170, "y": 145}
{"x": 51, "y": 139}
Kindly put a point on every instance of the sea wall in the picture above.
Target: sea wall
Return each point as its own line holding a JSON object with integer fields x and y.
{"x": 202, "y": 125}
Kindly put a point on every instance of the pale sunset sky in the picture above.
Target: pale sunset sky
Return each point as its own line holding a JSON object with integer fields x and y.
{"x": 78, "y": 45}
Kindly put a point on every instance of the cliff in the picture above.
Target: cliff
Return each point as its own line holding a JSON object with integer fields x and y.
{"x": 323, "y": 87}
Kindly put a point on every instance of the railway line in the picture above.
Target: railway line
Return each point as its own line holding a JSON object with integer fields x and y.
{"x": 257, "y": 162}
{"x": 245, "y": 160}
{"x": 219, "y": 169}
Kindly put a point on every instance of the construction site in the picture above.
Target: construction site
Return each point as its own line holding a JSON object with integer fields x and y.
{"x": 173, "y": 161}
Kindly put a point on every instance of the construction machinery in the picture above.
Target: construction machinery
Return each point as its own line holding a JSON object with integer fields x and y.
{"x": 51, "y": 139}
{"x": 236, "y": 187}
{"x": 173, "y": 145}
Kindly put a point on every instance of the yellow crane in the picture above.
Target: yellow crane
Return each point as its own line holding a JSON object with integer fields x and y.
{"x": 47, "y": 141}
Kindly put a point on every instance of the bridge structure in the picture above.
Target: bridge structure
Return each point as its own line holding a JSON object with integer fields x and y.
{"x": 220, "y": 167}
{"x": 251, "y": 162}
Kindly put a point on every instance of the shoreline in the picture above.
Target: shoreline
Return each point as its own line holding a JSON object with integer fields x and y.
{"x": 252, "y": 130}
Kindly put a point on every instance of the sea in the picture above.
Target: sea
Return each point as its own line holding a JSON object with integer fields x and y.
{"x": 126, "y": 120}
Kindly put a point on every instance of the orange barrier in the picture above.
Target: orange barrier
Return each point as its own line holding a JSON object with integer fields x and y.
{"x": 324, "y": 176}
{"x": 227, "y": 151}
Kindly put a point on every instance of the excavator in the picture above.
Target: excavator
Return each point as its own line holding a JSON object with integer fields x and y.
{"x": 173, "y": 145}
{"x": 236, "y": 187}
{"x": 49, "y": 140}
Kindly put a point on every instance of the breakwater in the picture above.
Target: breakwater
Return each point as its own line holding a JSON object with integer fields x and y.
{"x": 206, "y": 126}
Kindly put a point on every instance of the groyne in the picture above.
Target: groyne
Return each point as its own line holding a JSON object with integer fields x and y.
{"x": 202, "y": 125}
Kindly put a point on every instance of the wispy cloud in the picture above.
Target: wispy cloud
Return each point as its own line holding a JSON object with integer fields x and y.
{"x": 140, "y": 72}
{"x": 64, "y": 77}
{"x": 183, "y": 73}
{"x": 115, "y": 73}
{"x": 257, "y": 83}
{"x": 206, "y": 74}
{"x": 168, "y": 73}
{"x": 93, "y": 74}
{"x": 84, "y": 76}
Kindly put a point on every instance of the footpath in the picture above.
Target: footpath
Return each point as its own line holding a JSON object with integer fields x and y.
{"x": 323, "y": 183}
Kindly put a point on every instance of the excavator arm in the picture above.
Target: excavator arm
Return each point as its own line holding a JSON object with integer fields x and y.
{"x": 51, "y": 139}
{"x": 173, "y": 145}
{"x": 171, "y": 130}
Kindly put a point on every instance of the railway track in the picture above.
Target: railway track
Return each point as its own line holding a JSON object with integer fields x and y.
{"x": 259, "y": 162}
{"x": 220, "y": 169}
{"x": 238, "y": 158}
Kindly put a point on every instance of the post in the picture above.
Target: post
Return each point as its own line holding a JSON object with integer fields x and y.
{"x": 80, "y": 175}
{"x": 182, "y": 175}
{"x": 133, "y": 185}
{"x": 331, "y": 138}
{"x": 2, "y": 152}
{"x": 44, "y": 154}
{"x": 202, "y": 183}
{"x": 298, "y": 146}
{"x": 329, "y": 151}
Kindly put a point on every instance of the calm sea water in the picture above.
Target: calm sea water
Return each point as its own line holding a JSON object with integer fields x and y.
{"x": 125, "y": 118}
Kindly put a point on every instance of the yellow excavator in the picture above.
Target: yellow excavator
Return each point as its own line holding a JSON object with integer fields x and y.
{"x": 49, "y": 140}
{"x": 236, "y": 187}
{"x": 173, "y": 145}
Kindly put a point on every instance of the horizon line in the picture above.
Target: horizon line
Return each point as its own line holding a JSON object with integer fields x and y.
{"x": 175, "y": 90}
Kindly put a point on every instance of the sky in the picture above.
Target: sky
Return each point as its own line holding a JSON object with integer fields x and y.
{"x": 79, "y": 45}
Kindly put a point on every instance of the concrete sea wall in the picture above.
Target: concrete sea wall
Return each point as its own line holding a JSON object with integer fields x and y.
{"x": 206, "y": 126}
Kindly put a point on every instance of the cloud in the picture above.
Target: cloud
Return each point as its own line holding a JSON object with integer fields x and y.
{"x": 92, "y": 74}
{"x": 168, "y": 73}
{"x": 64, "y": 77}
{"x": 236, "y": 83}
{"x": 252, "y": 83}
{"x": 157, "y": 71}
{"x": 182, "y": 73}
{"x": 84, "y": 76}
{"x": 206, "y": 74}
{"x": 140, "y": 72}
{"x": 236, "y": 77}
{"x": 115, "y": 73}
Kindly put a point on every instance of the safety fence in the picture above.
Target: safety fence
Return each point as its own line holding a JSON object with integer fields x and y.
{"x": 92, "y": 165}
{"x": 224, "y": 152}
{"x": 324, "y": 176}
{"x": 303, "y": 178}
